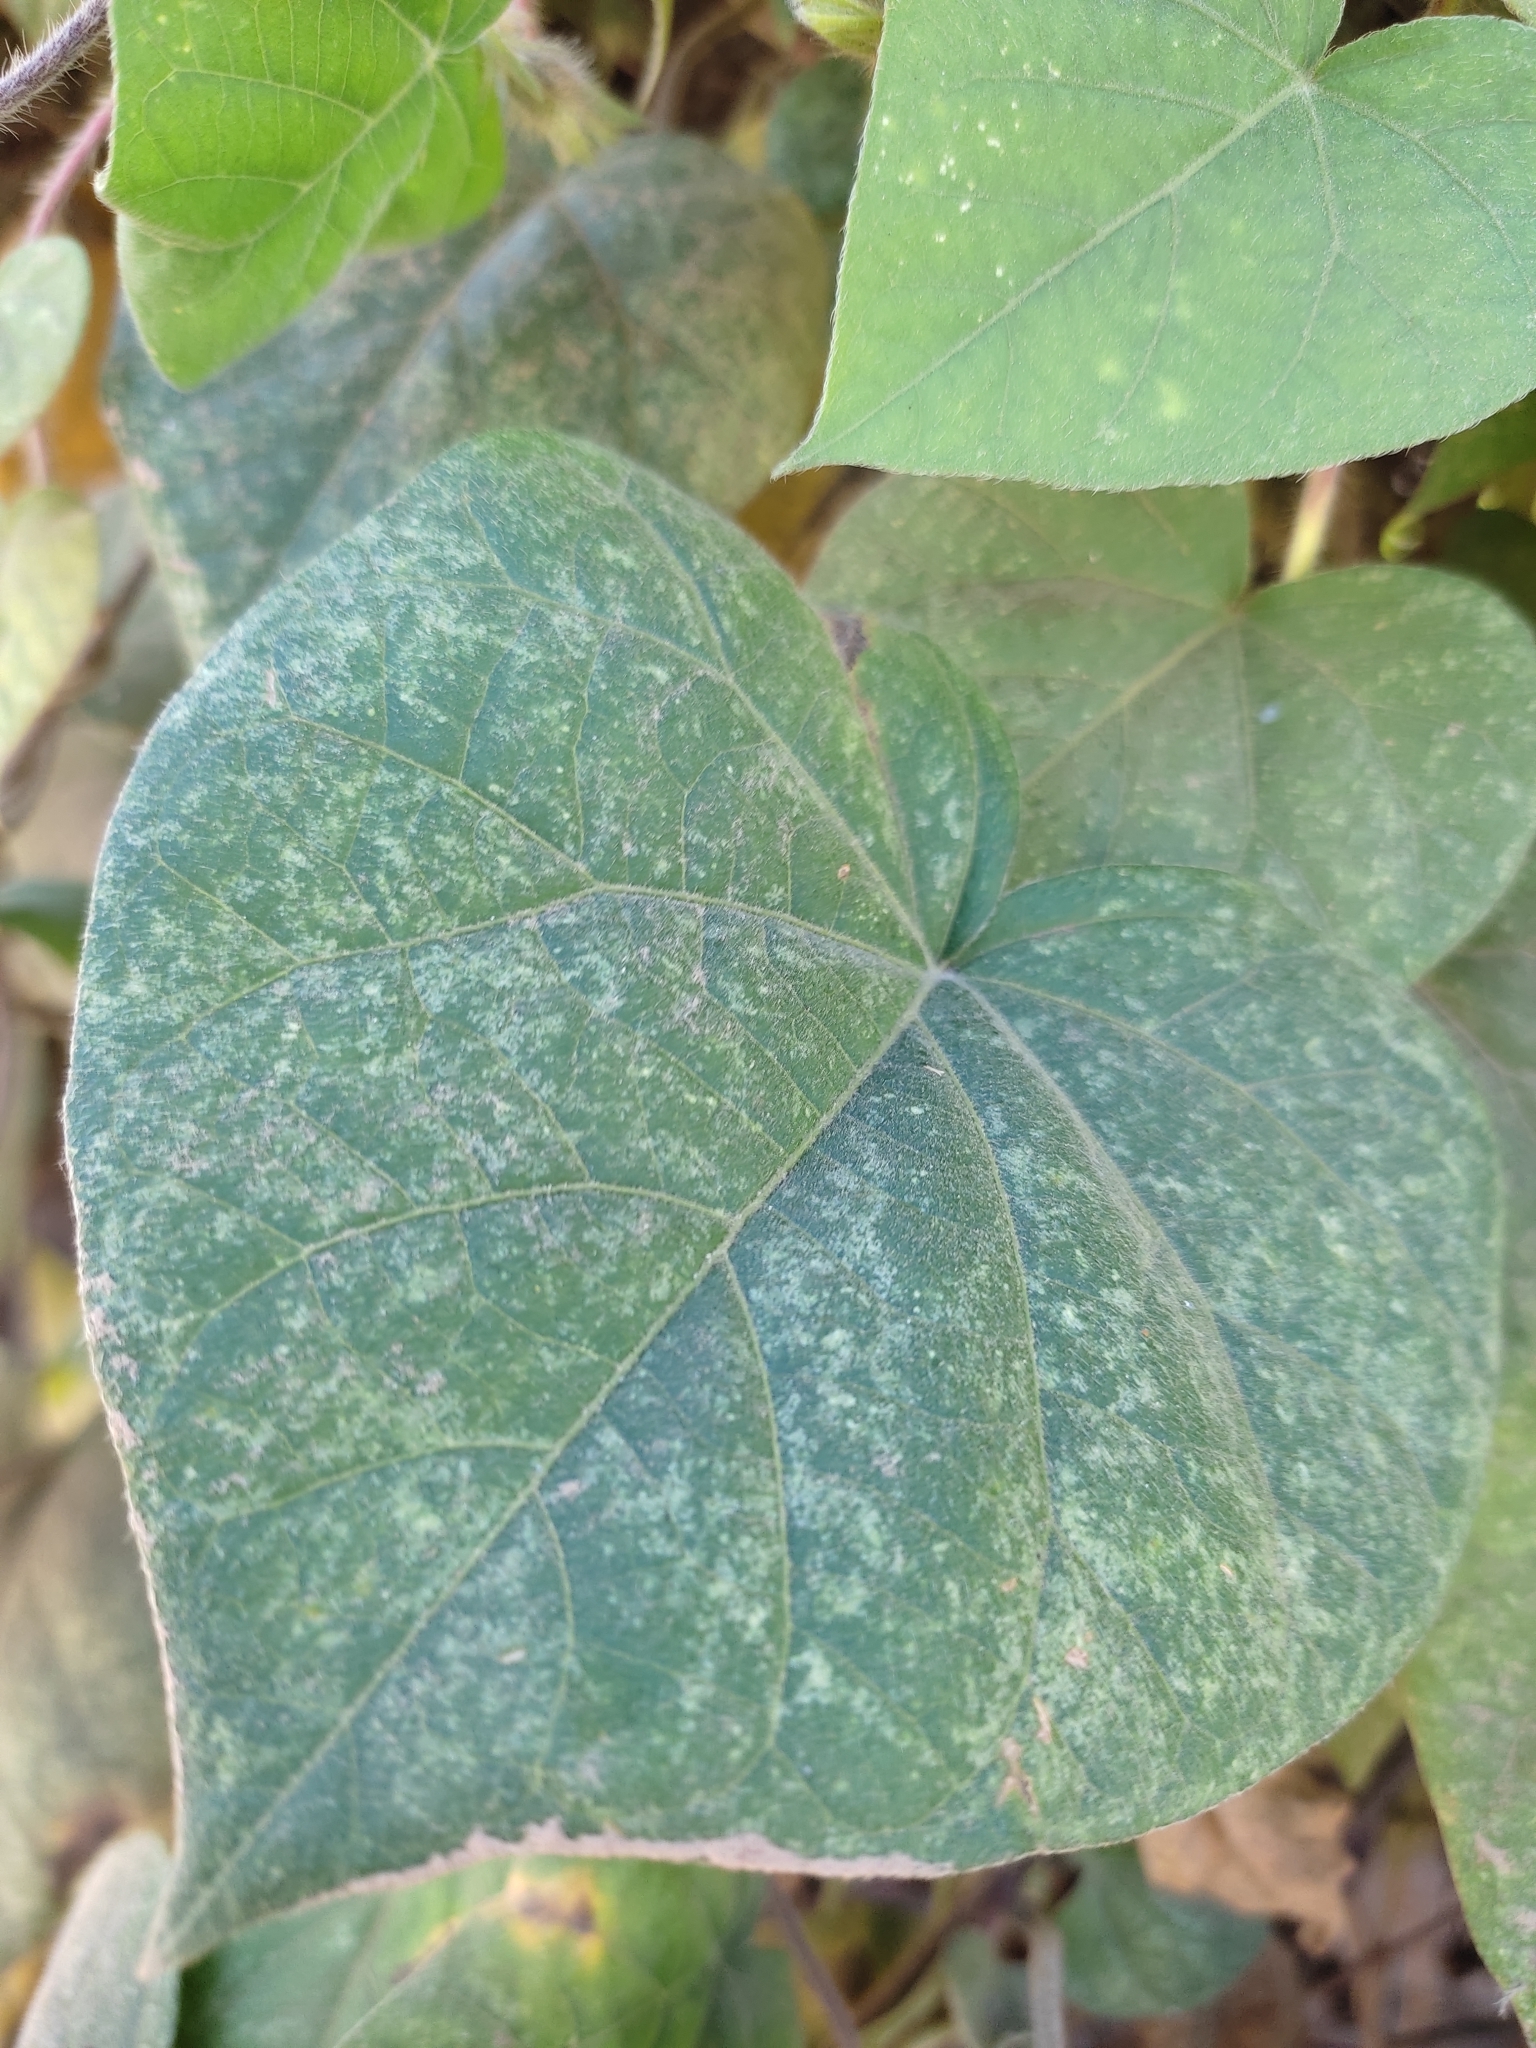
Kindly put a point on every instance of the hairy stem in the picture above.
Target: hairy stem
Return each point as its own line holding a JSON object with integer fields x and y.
{"x": 1046, "y": 1979}
{"x": 66, "y": 174}
{"x": 39, "y": 70}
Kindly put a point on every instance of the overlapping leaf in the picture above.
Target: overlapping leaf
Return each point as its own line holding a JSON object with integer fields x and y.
{"x": 45, "y": 294}
{"x": 662, "y": 299}
{"x": 1364, "y": 742}
{"x": 90, "y": 1995}
{"x": 50, "y": 566}
{"x": 547, "y": 1954}
{"x": 254, "y": 149}
{"x": 1468, "y": 1691}
{"x": 619, "y": 1336}
{"x": 1133, "y": 1950}
{"x": 1177, "y": 243}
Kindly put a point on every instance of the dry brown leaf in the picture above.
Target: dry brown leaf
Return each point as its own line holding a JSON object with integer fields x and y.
{"x": 1276, "y": 1850}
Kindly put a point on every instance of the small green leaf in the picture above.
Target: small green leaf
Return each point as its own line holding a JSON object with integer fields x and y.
{"x": 549, "y": 1954}
{"x": 90, "y": 1995}
{"x": 1363, "y": 742}
{"x": 851, "y": 26}
{"x": 1468, "y": 1692}
{"x": 1461, "y": 465}
{"x": 45, "y": 295}
{"x": 616, "y": 1340}
{"x": 1134, "y": 1951}
{"x": 662, "y": 299}
{"x": 814, "y": 134}
{"x": 82, "y": 1734}
{"x": 50, "y": 567}
{"x": 1498, "y": 548}
{"x": 254, "y": 150}
{"x": 1523, "y": 10}
{"x": 52, "y": 912}
{"x": 1115, "y": 247}
{"x": 988, "y": 1998}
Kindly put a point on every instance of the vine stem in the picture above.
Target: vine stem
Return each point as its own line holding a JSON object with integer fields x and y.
{"x": 35, "y": 72}
{"x": 68, "y": 171}
{"x": 686, "y": 52}
{"x": 1314, "y": 516}
{"x": 1046, "y": 1985}
{"x": 843, "y": 2025}
{"x": 656, "y": 56}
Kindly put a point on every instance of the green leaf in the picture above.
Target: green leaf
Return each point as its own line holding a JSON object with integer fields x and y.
{"x": 549, "y": 1954}
{"x": 90, "y": 1995}
{"x": 1461, "y": 465}
{"x": 45, "y": 295}
{"x": 1132, "y": 1950}
{"x": 50, "y": 565}
{"x": 663, "y": 300}
{"x": 814, "y": 134}
{"x": 52, "y": 912}
{"x": 616, "y": 1342}
{"x": 1110, "y": 248}
{"x": 1499, "y": 548}
{"x": 82, "y": 1736}
{"x": 254, "y": 151}
{"x": 988, "y": 1998}
{"x": 1363, "y": 742}
{"x": 1468, "y": 1691}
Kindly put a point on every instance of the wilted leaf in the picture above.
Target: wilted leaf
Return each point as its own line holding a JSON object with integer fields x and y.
{"x": 1463, "y": 464}
{"x": 254, "y": 150}
{"x": 663, "y": 300}
{"x": 50, "y": 565}
{"x": 45, "y": 295}
{"x": 1132, "y": 1949}
{"x": 1469, "y": 1690}
{"x": 549, "y": 1954}
{"x": 90, "y": 1995}
{"x": 1113, "y": 247}
{"x": 1276, "y": 1850}
{"x": 1363, "y": 742}
{"x": 616, "y": 1340}
{"x": 82, "y": 1736}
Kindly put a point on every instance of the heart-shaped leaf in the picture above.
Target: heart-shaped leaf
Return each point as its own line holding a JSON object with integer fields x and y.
{"x": 45, "y": 295}
{"x": 1113, "y": 247}
{"x": 662, "y": 299}
{"x": 1468, "y": 1691}
{"x": 254, "y": 149}
{"x": 618, "y": 1339}
{"x": 1364, "y": 742}
{"x": 90, "y": 1995}
{"x": 549, "y": 1954}
{"x": 1134, "y": 1950}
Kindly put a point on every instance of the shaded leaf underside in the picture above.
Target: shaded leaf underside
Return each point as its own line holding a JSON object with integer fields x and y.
{"x": 609, "y": 1331}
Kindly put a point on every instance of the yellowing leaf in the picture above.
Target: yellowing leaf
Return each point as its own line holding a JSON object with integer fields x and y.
{"x": 45, "y": 295}
{"x": 49, "y": 570}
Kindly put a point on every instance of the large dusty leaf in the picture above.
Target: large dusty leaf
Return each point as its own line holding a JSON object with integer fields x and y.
{"x": 1363, "y": 742}
{"x": 1469, "y": 1690}
{"x": 82, "y": 1736}
{"x": 90, "y": 1995}
{"x": 45, "y": 294}
{"x": 50, "y": 566}
{"x": 662, "y": 299}
{"x": 1117, "y": 246}
{"x": 547, "y": 1954}
{"x": 1133, "y": 1950}
{"x": 255, "y": 147}
{"x": 614, "y": 1340}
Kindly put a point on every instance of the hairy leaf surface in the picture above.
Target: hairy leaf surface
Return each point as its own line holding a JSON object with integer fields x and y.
{"x": 90, "y": 1995}
{"x": 1364, "y": 742}
{"x": 662, "y": 299}
{"x": 45, "y": 294}
{"x": 1468, "y": 1691}
{"x": 255, "y": 148}
{"x": 621, "y": 1338}
{"x": 1170, "y": 242}
{"x": 544, "y": 1953}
